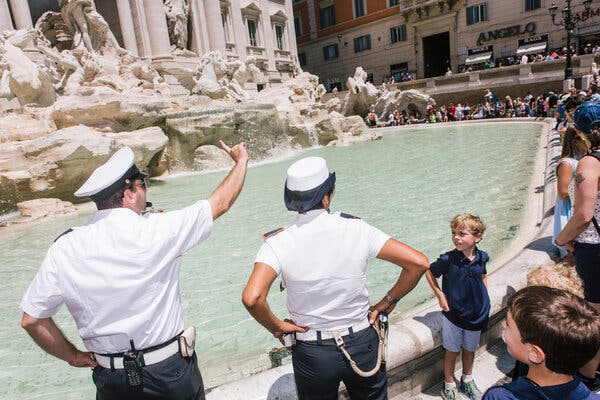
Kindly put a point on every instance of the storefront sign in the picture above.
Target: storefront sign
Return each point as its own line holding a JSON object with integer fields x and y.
{"x": 585, "y": 15}
{"x": 515, "y": 30}
{"x": 482, "y": 49}
{"x": 533, "y": 39}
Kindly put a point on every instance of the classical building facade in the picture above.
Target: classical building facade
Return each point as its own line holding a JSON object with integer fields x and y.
{"x": 237, "y": 28}
{"x": 426, "y": 37}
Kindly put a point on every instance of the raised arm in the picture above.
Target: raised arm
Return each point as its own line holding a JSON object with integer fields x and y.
{"x": 227, "y": 192}
{"x": 413, "y": 264}
{"x": 254, "y": 298}
{"x": 47, "y": 335}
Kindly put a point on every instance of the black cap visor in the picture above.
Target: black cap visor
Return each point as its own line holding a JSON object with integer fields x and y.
{"x": 132, "y": 173}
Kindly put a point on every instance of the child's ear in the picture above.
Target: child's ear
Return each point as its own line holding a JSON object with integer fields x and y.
{"x": 536, "y": 354}
{"x": 478, "y": 237}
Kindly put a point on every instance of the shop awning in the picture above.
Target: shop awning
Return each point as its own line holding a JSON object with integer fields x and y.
{"x": 532, "y": 48}
{"x": 478, "y": 58}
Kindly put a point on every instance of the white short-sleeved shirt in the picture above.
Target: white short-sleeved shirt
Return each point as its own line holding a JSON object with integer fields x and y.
{"x": 322, "y": 259}
{"x": 119, "y": 276}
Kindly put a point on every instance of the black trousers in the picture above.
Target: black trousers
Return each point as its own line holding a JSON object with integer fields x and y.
{"x": 175, "y": 378}
{"x": 319, "y": 367}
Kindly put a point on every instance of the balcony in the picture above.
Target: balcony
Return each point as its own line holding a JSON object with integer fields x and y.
{"x": 258, "y": 52}
{"x": 282, "y": 55}
{"x": 423, "y": 7}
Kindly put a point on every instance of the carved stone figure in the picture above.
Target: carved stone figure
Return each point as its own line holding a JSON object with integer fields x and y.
{"x": 361, "y": 94}
{"x": 178, "y": 14}
{"x": 87, "y": 27}
{"x": 206, "y": 80}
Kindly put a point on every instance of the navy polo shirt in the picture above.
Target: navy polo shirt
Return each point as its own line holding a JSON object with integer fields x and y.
{"x": 524, "y": 389}
{"x": 462, "y": 284}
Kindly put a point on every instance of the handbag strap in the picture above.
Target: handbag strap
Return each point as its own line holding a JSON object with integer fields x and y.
{"x": 595, "y": 222}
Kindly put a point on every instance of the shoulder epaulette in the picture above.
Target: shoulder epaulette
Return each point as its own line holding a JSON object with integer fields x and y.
{"x": 63, "y": 234}
{"x": 273, "y": 232}
{"x": 348, "y": 216}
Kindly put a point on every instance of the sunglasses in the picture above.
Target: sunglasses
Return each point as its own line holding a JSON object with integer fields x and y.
{"x": 143, "y": 181}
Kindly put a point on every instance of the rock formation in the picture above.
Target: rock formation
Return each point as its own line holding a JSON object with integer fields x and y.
{"x": 55, "y": 164}
{"x": 71, "y": 96}
{"x": 409, "y": 100}
{"x": 363, "y": 96}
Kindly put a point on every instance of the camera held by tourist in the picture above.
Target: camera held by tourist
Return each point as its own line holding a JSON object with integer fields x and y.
{"x": 321, "y": 258}
{"x": 119, "y": 277}
{"x": 554, "y": 333}
{"x": 464, "y": 301}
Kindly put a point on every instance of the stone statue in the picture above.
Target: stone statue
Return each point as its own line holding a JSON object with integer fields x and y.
{"x": 207, "y": 78}
{"x": 87, "y": 27}
{"x": 361, "y": 94}
{"x": 178, "y": 15}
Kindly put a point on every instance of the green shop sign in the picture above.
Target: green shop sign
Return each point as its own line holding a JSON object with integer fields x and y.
{"x": 515, "y": 30}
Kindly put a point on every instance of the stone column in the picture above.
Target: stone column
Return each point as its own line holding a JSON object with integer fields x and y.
{"x": 21, "y": 14}
{"x": 126, "y": 22}
{"x": 216, "y": 35}
{"x": 240, "y": 34}
{"x": 5, "y": 21}
{"x": 199, "y": 32}
{"x": 268, "y": 35}
{"x": 157, "y": 23}
{"x": 141, "y": 28}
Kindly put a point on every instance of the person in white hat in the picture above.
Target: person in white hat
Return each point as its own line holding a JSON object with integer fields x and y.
{"x": 322, "y": 258}
{"x": 119, "y": 277}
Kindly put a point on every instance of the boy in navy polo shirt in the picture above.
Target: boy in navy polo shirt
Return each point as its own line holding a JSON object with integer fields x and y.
{"x": 555, "y": 333}
{"x": 464, "y": 301}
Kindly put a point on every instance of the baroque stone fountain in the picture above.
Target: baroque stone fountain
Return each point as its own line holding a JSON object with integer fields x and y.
{"x": 70, "y": 96}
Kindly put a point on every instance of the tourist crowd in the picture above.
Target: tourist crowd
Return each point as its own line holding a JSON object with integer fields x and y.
{"x": 542, "y": 105}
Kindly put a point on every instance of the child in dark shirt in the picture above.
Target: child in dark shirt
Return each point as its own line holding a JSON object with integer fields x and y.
{"x": 555, "y": 333}
{"x": 464, "y": 301}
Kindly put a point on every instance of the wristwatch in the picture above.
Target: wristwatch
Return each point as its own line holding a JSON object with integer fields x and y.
{"x": 390, "y": 298}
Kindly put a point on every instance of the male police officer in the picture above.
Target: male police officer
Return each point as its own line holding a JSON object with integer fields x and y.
{"x": 119, "y": 277}
{"x": 322, "y": 258}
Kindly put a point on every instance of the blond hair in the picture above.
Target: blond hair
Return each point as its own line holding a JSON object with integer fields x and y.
{"x": 560, "y": 276}
{"x": 471, "y": 222}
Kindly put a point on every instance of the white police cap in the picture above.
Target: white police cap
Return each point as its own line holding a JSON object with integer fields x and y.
{"x": 307, "y": 174}
{"x": 111, "y": 176}
{"x": 308, "y": 181}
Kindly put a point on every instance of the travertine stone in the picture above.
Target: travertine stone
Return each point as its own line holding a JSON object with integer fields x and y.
{"x": 42, "y": 208}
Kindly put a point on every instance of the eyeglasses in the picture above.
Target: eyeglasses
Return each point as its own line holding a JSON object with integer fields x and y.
{"x": 143, "y": 183}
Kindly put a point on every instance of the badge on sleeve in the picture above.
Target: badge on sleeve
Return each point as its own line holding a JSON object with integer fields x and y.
{"x": 273, "y": 233}
{"x": 63, "y": 234}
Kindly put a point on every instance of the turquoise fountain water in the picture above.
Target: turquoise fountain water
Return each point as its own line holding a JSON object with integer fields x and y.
{"x": 408, "y": 184}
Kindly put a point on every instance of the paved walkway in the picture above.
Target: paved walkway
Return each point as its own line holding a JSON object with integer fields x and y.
{"x": 490, "y": 368}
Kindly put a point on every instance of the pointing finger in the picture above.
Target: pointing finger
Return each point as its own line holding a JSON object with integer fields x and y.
{"x": 224, "y": 146}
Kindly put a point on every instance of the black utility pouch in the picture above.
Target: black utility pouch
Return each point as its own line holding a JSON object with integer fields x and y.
{"x": 132, "y": 363}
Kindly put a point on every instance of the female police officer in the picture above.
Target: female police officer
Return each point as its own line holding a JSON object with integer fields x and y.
{"x": 322, "y": 258}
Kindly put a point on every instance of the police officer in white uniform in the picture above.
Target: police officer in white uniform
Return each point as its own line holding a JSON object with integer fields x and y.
{"x": 119, "y": 277}
{"x": 321, "y": 258}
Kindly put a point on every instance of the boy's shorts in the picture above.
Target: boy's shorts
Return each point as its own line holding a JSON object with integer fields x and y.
{"x": 455, "y": 338}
